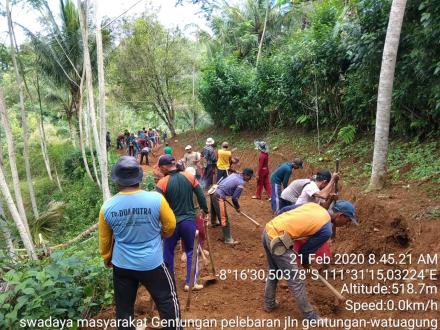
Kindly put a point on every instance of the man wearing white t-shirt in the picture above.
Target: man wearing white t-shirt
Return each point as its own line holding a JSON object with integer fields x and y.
{"x": 290, "y": 195}
{"x": 319, "y": 190}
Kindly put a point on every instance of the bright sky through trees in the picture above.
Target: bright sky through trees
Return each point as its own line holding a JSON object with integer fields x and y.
{"x": 169, "y": 15}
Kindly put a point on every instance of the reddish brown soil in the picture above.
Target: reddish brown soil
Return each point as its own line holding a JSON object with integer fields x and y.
{"x": 393, "y": 221}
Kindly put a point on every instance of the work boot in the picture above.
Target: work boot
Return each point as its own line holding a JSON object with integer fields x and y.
{"x": 270, "y": 309}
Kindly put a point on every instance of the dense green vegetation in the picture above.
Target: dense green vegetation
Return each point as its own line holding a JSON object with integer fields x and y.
{"x": 322, "y": 59}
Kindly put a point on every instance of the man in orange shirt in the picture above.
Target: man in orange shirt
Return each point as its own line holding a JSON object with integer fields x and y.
{"x": 309, "y": 220}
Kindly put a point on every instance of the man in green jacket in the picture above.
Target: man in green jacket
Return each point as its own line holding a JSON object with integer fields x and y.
{"x": 178, "y": 189}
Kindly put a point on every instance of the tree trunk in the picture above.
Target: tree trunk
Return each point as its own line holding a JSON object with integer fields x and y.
{"x": 43, "y": 135}
{"x": 89, "y": 82}
{"x": 81, "y": 134}
{"x": 384, "y": 95}
{"x": 23, "y": 113}
{"x": 57, "y": 178}
{"x": 22, "y": 230}
{"x": 71, "y": 128}
{"x": 101, "y": 104}
{"x": 260, "y": 46}
{"x": 12, "y": 161}
{"x": 4, "y": 228}
{"x": 89, "y": 144}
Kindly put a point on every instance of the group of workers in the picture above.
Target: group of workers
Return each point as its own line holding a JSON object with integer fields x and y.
{"x": 141, "y": 143}
{"x": 139, "y": 230}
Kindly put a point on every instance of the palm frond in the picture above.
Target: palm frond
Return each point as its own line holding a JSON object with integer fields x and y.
{"x": 47, "y": 222}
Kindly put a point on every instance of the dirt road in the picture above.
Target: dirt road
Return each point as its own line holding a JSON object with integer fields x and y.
{"x": 392, "y": 224}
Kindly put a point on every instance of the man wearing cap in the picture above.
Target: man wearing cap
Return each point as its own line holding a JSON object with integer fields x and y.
{"x": 131, "y": 226}
{"x": 263, "y": 170}
{"x": 224, "y": 161}
{"x": 309, "y": 220}
{"x": 208, "y": 154}
{"x": 178, "y": 189}
{"x": 281, "y": 177}
{"x": 232, "y": 186}
{"x": 319, "y": 190}
{"x": 191, "y": 159}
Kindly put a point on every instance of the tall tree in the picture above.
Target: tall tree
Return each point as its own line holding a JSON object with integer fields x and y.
{"x": 81, "y": 131}
{"x": 20, "y": 221}
{"x": 43, "y": 140}
{"x": 4, "y": 228}
{"x": 90, "y": 98}
{"x": 385, "y": 93}
{"x": 101, "y": 104}
{"x": 153, "y": 66}
{"x": 23, "y": 112}
{"x": 22, "y": 230}
{"x": 4, "y": 119}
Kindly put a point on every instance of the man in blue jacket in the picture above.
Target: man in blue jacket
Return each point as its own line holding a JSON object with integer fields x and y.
{"x": 281, "y": 177}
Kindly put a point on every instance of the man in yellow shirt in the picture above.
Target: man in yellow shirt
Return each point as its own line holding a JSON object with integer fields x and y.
{"x": 309, "y": 220}
{"x": 223, "y": 161}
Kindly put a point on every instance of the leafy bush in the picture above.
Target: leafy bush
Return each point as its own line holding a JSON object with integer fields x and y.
{"x": 148, "y": 183}
{"x": 83, "y": 202}
{"x": 68, "y": 285}
{"x": 347, "y": 134}
{"x": 328, "y": 60}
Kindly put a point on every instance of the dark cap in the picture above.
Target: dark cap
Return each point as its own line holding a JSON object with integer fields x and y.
{"x": 298, "y": 162}
{"x": 346, "y": 208}
{"x": 323, "y": 175}
{"x": 248, "y": 171}
{"x": 127, "y": 172}
{"x": 166, "y": 160}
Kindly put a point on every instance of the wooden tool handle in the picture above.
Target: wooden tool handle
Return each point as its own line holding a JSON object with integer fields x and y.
{"x": 331, "y": 288}
{"x": 193, "y": 269}
{"x": 248, "y": 217}
{"x": 211, "y": 257}
{"x": 337, "y": 171}
{"x": 244, "y": 214}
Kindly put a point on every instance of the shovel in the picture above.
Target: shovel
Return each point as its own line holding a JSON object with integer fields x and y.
{"x": 210, "y": 279}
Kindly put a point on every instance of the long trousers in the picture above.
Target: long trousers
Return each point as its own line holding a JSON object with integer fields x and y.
{"x": 144, "y": 154}
{"x": 285, "y": 266}
{"x": 276, "y": 195}
{"x": 221, "y": 174}
{"x": 219, "y": 215}
{"x": 263, "y": 182}
{"x": 186, "y": 231}
{"x": 208, "y": 176}
{"x": 158, "y": 282}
